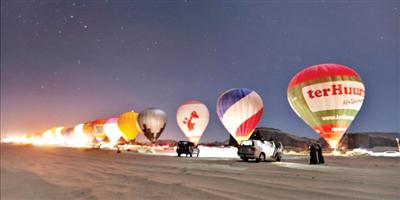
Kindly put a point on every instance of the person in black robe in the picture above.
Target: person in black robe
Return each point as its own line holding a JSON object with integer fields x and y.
{"x": 313, "y": 154}
{"x": 319, "y": 154}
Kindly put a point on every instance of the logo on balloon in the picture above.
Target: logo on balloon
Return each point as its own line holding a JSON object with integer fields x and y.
{"x": 195, "y": 117}
{"x": 327, "y": 97}
{"x": 188, "y": 122}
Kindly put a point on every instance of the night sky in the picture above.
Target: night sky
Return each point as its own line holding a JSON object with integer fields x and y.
{"x": 67, "y": 62}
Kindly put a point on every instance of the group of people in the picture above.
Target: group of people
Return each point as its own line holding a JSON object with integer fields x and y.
{"x": 316, "y": 156}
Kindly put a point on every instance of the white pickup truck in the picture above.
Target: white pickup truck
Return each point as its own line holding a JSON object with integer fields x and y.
{"x": 260, "y": 150}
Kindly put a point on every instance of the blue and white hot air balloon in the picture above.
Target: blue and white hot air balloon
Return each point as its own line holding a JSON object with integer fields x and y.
{"x": 240, "y": 110}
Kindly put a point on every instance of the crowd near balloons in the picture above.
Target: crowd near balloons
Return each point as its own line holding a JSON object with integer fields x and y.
{"x": 326, "y": 96}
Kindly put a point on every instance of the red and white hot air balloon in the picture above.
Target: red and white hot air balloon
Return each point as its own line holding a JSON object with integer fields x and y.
{"x": 193, "y": 117}
{"x": 240, "y": 110}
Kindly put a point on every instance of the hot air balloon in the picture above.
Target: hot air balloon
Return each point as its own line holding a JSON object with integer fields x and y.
{"x": 87, "y": 129}
{"x": 68, "y": 136}
{"x": 112, "y": 131}
{"x": 240, "y": 110}
{"x": 152, "y": 122}
{"x": 192, "y": 118}
{"x": 127, "y": 123}
{"x": 98, "y": 130}
{"x": 327, "y": 97}
{"x": 49, "y": 137}
{"x": 81, "y": 138}
{"x": 58, "y": 135}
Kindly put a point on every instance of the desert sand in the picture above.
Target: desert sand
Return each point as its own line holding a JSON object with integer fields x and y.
{"x": 30, "y": 172}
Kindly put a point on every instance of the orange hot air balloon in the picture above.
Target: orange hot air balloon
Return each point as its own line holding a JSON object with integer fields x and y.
{"x": 87, "y": 129}
{"x": 127, "y": 123}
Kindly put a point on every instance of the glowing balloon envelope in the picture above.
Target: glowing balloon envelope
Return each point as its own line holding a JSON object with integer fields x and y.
{"x": 152, "y": 122}
{"x": 127, "y": 123}
{"x": 68, "y": 136}
{"x": 112, "y": 131}
{"x": 49, "y": 137}
{"x": 87, "y": 129}
{"x": 58, "y": 135}
{"x": 98, "y": 130}
{"x": 327, "y": 97}
{"x": 192, "y": 118}
{"x": 82, "y": 138}
{"x": 240, "y": 110}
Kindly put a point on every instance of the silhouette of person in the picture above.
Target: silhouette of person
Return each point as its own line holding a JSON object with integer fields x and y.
{"x": 319, "y": 154}
{"x": 313, "y": 154}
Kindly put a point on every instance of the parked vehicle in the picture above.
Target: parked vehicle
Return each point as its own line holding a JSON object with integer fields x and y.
{"x": 188, "y": 148}
{"x": 260, "y": 150}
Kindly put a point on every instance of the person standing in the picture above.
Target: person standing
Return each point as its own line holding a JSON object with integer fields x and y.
{"x": 313, "y": 154}
{"x": 319, "y": 154}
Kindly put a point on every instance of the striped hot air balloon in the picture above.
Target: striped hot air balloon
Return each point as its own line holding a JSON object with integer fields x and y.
{"x": 98, "y": 130}
{"x": 327, "y": 97}
{"x": 152, "y": 122}
{"x": 240, "y": 110}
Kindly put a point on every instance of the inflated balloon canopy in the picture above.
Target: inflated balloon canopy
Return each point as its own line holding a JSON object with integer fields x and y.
{"x": 152, "y": 122}
{"x": 327, "y": 97}
{"x": 127, "y": 123}
{"x": 192, "y": 118}
{"x": 98, "y": 130}
{"x": 112, "y": 130}
{"x": 240, "y": 110}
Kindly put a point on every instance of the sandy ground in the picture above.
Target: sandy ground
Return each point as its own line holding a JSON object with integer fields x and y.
{"x": 29, "y": 172}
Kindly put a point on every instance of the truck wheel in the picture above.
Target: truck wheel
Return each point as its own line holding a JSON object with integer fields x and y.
{"x": 245, "y": 159}
{"x": 278, "y": 157}
{"x": 261, "y": 158}
{"x": 179, "y": 155}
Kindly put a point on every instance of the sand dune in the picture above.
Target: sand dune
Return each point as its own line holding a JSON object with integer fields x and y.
{"x": 29, "y": 172}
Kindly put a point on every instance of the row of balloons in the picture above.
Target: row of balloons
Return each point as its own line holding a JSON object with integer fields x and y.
{"x": 326, "y": 96}
{"x": 151, "y": 122}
